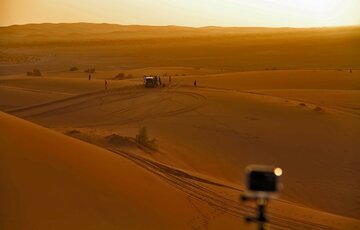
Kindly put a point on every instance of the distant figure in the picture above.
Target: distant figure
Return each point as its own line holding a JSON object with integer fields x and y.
{"x": 160, "y": 81}
{"x": 350, "y": 70}
{"x": 89, "y": 77}
{"x": 106, "y": 84}
{"x": 169, "y": 79}
{"x": 195, "y": 83}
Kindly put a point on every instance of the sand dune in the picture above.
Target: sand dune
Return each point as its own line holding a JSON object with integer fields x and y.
{"x": 297, "y": 79}
{"x": 226, "y": 48}
{"x": 71, "y": 31}
{"x": 264, "y": 96}
{"x": 76, "y": 185}
{"x": 232, "y": 128}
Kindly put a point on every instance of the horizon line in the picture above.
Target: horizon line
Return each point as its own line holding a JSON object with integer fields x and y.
{"x": 184, "y": 26}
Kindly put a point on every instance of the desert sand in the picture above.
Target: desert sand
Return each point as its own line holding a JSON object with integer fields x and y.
{"x": 263, "y": 96}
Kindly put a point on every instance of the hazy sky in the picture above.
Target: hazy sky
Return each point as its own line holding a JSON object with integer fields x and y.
{"x": 292, "y": 13}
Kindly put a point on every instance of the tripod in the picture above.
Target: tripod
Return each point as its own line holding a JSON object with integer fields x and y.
{"x": 260, "y": 217}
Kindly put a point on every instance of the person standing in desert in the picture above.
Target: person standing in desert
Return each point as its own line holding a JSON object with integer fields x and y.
{"x": 195, "y": 83}
{"x": 106, "y": 84}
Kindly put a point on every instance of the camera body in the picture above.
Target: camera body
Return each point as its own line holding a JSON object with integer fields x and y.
{"x": 262, "y": 182}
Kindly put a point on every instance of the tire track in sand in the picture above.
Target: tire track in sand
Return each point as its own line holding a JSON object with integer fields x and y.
{"x": 152, "y": 108}
{"x": 126, "y": 106}
{"x": 198, "y": 188}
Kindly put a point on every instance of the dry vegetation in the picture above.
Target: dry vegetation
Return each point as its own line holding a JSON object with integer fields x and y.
{"x": 35, "y": 72}
{"x": 143, "y": 139}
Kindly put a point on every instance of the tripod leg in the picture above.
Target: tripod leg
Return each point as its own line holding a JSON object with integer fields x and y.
{"x": 261, "y": 217}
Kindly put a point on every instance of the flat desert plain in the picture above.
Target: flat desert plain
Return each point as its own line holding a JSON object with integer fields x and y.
{"x": 284, "y": 97}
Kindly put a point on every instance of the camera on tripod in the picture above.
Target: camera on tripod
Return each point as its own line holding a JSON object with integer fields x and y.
{"x": 262, "y": 184}
{"x": 262, "y": 181}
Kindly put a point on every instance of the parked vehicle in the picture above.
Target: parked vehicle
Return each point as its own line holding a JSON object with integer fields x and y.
{"x": 151, "y": 81}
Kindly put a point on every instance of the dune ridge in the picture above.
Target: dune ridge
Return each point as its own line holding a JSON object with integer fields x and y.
{"x": 226, "y": 49}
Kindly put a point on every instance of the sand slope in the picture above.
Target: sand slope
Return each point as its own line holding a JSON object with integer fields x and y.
{"x": 75, "y": 185}
{"x": 59, "y": 47}
{"x": 231, "y": 128}
{"x": 273, "y": 96}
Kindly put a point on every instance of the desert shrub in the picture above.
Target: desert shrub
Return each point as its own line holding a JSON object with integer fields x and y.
{"x": 119, "y": 76}
{"x": 74, "y": 68}
{"x": 91, "y": 70}
{"x": 143, "y": 139}
{"x": 302, "y": 104}
{"x": 73, "y": 132}
{"x": 36, "y": 72}
{"x": 318, "y": 109}
{"x": 29, "y": 73}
